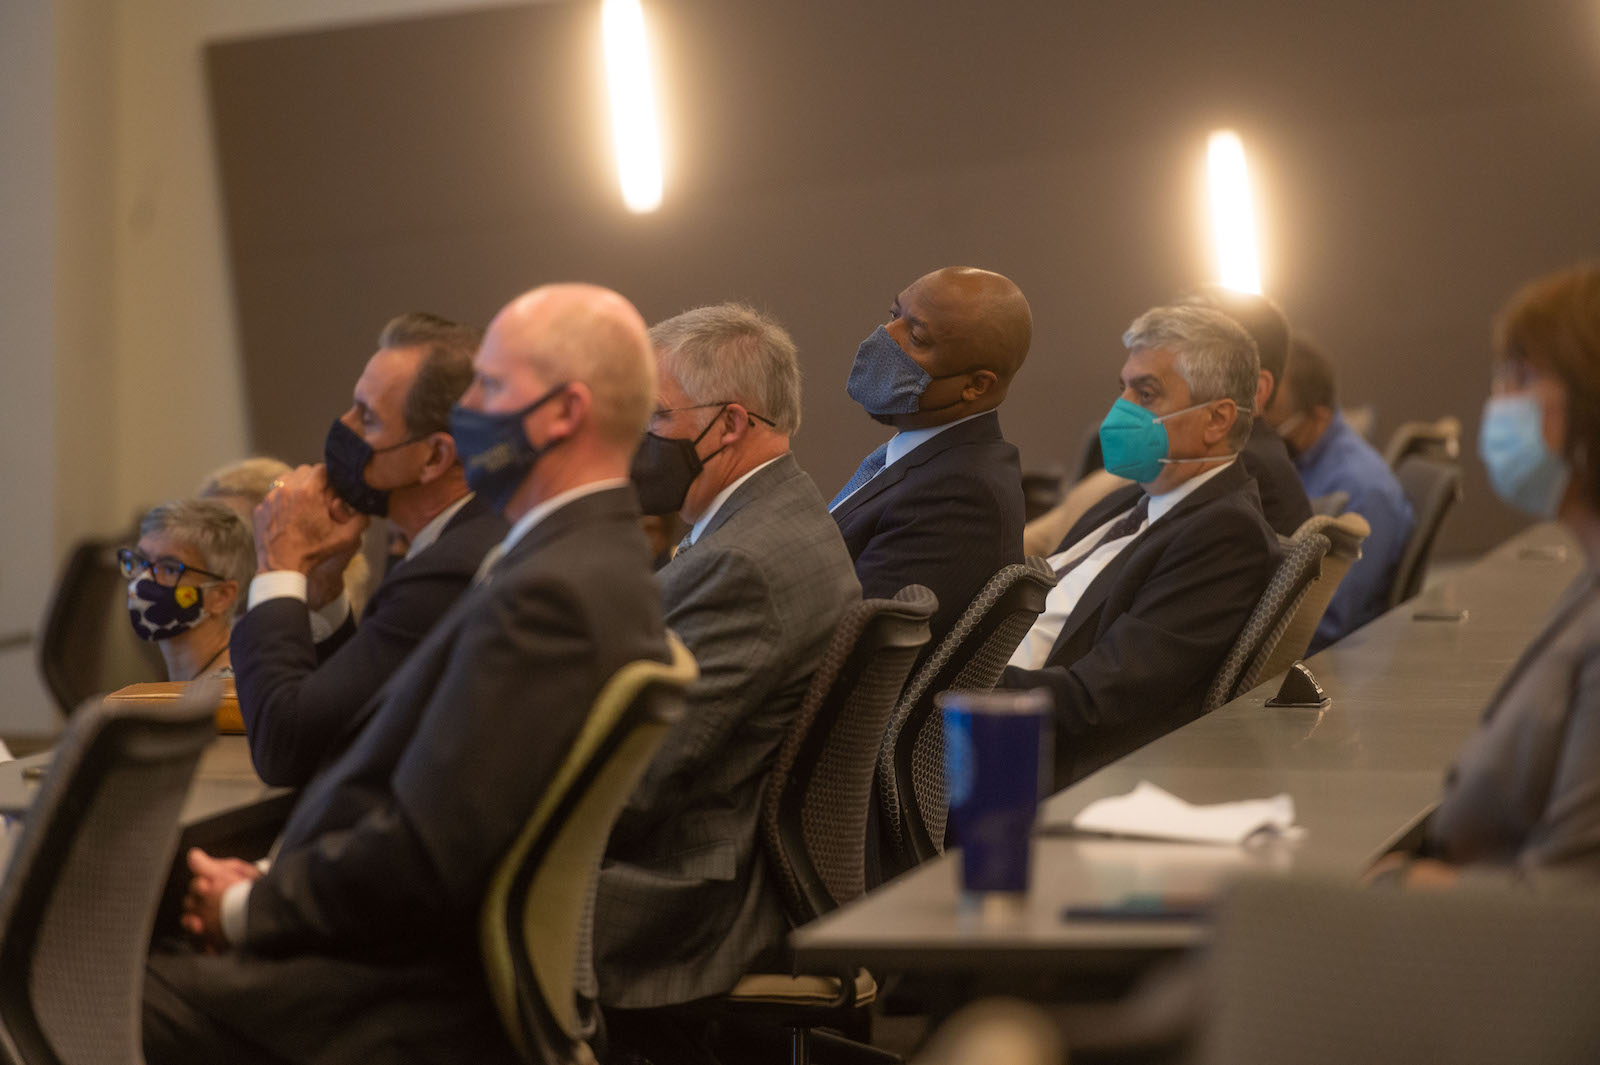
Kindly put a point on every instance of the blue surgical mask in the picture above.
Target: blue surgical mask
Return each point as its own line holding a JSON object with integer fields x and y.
{"x": 1522, "y": 470}
{"x": 886, "y": 381}
{"x": 494, "y": 451}
{"x": 1134, "y": 442}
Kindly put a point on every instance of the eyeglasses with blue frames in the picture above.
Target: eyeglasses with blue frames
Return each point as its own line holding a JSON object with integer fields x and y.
{"x": 166, "y": 570}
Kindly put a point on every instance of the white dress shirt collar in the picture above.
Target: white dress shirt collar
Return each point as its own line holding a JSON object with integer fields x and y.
{"x": 429, "y": 534}
{"x": 906, "y": 441}
{"x": 722, "y": 497}
{"x": 553, "y": 504}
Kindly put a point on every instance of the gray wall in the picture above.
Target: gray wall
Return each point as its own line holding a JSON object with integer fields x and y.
{"x": 1415, "y": 162}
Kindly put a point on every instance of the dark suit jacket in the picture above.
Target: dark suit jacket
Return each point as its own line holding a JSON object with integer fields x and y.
{"x": 1137, "y": 653}
{"x": 686, "y": 902}
{"x": 361, "y": 941}
{"x": 1522, "y": 801}
{"x": 296, "y": 696}
{"x": 1283, "y": 496}
{"x": 948, "y": 516}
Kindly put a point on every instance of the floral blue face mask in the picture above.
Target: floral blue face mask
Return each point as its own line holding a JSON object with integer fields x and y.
{"x": 1134, "y": 442}
{"x": 886, "y": 381}
{"x": 1522, "y": 470}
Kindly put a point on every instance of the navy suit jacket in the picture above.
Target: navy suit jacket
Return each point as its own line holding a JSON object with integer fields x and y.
{"x": 948, "y": 515}
{"x": 361, "y": 941}
{"x": 296, "y": 696}
{"x": 1283, "y": 495}
{"x": 1138, "y": 652}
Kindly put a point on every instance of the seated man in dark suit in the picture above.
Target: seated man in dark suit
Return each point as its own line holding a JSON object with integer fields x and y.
{"x": 390, "y": 454}
{"x": 686, "y": 901}
{"x": 940, "y": 502}
{"x": 1159, "y": 577}
{"x": 1332, "y": 457}
{"x": 361, "y": 944}
{"x": 1283, "y": 496}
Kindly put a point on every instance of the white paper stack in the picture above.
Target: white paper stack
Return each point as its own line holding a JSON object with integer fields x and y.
{"x": 1151, "y": 813}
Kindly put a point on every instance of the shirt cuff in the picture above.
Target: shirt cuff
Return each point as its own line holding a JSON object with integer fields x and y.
{"x": 326, "y": 621}
{"x": 235, "y": 908}
{"x": 277, "y": 584}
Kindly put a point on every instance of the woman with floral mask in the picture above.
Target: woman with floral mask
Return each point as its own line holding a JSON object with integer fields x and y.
{"x": 186, "y": 579}
{"x": 1522, "y": 802}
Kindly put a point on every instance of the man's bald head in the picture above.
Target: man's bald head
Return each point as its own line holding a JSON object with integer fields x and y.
{"x": 969, "y": 331}
{"x": 577, "y": 332}
{"x": 978, "y": 319}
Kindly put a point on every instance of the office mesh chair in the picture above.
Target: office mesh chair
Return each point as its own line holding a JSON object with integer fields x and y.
{"x": 1323, "y": 973}
{"x": 816, "y": 803}
{"x": 87, "y": 645}
{"x": 911, "y": 791}
{"x": 1346, "y": 533}
{"x": 537, "y": 920}
{"x": 1300, "y": 566}
{"x": 1432, "y": 488}
{"x": 79, "y": 897}
{"x": 1439, "y": 441}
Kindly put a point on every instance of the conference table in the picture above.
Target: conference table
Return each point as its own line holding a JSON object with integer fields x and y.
{"x": 1363, "y": 771}
{"x": 227, "y": 809}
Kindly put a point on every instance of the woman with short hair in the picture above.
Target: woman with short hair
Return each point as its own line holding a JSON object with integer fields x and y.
{"x": 186, "y": 580}
{"x": 1522, "y": 802}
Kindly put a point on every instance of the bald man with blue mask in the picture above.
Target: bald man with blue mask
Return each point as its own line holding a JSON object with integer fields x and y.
{"x": 940, "y": 502}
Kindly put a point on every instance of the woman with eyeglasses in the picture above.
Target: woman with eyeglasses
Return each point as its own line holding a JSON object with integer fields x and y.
{"x": 186, "y": 579}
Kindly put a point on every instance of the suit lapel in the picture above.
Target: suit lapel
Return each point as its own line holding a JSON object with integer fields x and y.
{"x": 985, "y": 426}
{"x": 612, "y": 502}
{"x": 1088, "y": 605}
{"x": 762, "y": 482}
{"x": 1572, "y": 602}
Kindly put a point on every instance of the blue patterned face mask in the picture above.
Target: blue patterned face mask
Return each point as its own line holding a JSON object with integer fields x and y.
{"x": 159, "y": 612}
{"x": 495, "y": 453}
{"x": 1134, "y": 442}
{"x": 1522, "y": 470}
{"x": 887, "y": 381}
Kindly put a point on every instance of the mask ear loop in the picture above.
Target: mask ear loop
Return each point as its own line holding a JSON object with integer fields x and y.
{"x": 1205, "y": 458}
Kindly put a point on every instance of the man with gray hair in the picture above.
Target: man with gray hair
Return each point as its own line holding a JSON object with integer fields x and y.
{"x": 686, "y": 904}
{"x": 1158, "y": 578}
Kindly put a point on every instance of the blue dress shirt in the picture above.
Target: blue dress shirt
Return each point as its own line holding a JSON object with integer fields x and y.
{"x": 1341, "y": 461}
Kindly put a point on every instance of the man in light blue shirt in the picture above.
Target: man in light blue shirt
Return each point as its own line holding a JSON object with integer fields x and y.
{"x": 1332, "y": 457}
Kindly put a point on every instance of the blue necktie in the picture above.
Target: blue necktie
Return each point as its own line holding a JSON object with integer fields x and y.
{"x": 869, "y": 468}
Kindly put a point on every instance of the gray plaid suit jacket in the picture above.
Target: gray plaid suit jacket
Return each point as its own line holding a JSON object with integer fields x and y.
{"x": 686, "y": 902}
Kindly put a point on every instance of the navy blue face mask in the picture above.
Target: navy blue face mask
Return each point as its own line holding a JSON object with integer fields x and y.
{"x": 886, "y": 381}
{"x": 494, "y": 451}
{"x": 345, "y": 455}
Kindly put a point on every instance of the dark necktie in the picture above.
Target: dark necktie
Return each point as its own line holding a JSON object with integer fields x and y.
{"x": 869, "y": 468}
{"x": 1124, "y": 526}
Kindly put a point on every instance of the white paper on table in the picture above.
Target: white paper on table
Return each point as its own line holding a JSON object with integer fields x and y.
{"x": 1152, "y": 813}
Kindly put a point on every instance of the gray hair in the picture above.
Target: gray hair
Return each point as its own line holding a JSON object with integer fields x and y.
{"x": 249, "y": 479}
{"x": 1213, "y": 354}
{"x": 215, "y": 530}
{"x": 733, "y": 353}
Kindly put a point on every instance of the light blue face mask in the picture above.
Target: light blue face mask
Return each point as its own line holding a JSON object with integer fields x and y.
{"x": 1134, "y": 442}
{"x": 1522, "y": 470}
{"x": 886, "y": 381}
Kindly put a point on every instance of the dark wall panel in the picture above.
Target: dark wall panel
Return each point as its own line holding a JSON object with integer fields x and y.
{"x": 1414, "y": 161}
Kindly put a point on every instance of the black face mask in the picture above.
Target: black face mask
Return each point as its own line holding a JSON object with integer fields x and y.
{"x": 665, "y": 467}
{"x": 346, "y": 456}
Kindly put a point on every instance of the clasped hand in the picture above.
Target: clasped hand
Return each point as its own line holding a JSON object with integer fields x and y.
{"x": 302, "y": 526}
